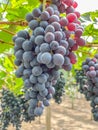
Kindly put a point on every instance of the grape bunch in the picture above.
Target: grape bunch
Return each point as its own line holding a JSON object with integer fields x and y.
{"x": 13, "y": 110}
{"x": 41, "y": 54}
{"x": 59, "y": 89}
{"x": 90, "y": 67}
{"x": 81, "y": 79}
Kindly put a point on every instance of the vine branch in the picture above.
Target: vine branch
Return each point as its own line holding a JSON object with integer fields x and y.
{"x": 19, "y": 23}
{"x": 7, "y": 31}
{"x": 4, "y": 42}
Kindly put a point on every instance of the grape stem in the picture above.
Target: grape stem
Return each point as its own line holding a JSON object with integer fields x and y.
{"x": 18, "y": 23}
{"x": 44, "y": 4}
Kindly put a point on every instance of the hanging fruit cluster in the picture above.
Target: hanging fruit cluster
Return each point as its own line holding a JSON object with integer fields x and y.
{"x": 50, "y": 47}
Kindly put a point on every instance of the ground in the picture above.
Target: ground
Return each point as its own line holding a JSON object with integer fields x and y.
{"x": 63, "y": 117}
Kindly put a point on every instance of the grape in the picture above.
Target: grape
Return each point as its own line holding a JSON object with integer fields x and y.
{"x": 66, "y": 61}
{"x": 77, "y": 14}
{"x": 30, "y": 112}
{"x": 36, "y": 12}
{"x": 38, "y": 31}
{"x": 56, "y": 12}
{"x": 19, "y": 41}
{"x": 53, "y": 18}
{"x": 63, "y": 22}
{"x": 29, "y": 17}
{"x": 96, "y": 66}
{"x": 96, "y": 56}
{"x": 64, "y": 43}
{"x": 37, "y": 49}
{"x": 17, "y": 62}
{"x": 33, "y": 24}
{"x": 50, "y": 10}
{"x": 27, "y": 83}
{"x": 19, "y": 54}
{"x": 38, "y": 111}
{"x": 46, "y": 58}
{"x": 58, "y": 36}
{"x": 32, "y": 94}
{"x": 40, "y": 87}
{"x": 91, "y": 63}
{"x": 40, "y": 98}
{"x": 24, "y": 34}
{"x": 49, "y": 28}
{"x": 68, "y": 2}
{"x": 37, "y": 70}
{"x": 69, "y": 10}
{"x": 14, "y": 38}
{"x": 27, "y": 65}
{"x": 44, "y": 92}
{"x": 54, "y": 6}
{"x": 49, "y": 96}
{"x": 51, "y": 65}
{"x": 46, "y": 102}
{"x": 62, "y": 8}
{"x": 55, "y": 74}
{"x": 56, "y": 25}
{"x": 71, "y": 42}
{"x": 80, "y": 41}
{"x": 54, "y": 45}
{"x": 42, "y": 78}
{"x": 51, "y": 90}
{"x": 28, "y": 56}
{"x": 58, "y": 59}
{"x": 27, "y": 45}
{"x": 45, "y": 16}
{"x": 92, "y": 73}
{"x": 75, "y": 4}
{"x": 27, "y": 73}
{"x": 39, "y": 39}
{"x": 67, "y": 67}
{"x": 33, "y": 79}
{"x": 49, "y": 37}
{"x": 39, "y": 57}
{"x": 44, "y": 47}
{"x": 71, "y": 26}
{"x": 33, "y": 103}
{"x": 32, "y": 39}
{"x": 96, "y": 100}
{"x": 44, "y": 24}
{"x": 61, "y": 50}
{"x": 19, "y": 71}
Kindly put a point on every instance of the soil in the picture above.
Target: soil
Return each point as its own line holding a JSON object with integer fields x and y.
{"x": 63, "y": 117}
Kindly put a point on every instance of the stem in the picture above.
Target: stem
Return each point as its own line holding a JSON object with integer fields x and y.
{"x": 4, "y": 42}
{"x": 48, "y": 118}
{"x": 91, "y": 45}
{"x": 4, "y": 30}
{"x": 18, "y": 23}
{"x": 44, "y": 4}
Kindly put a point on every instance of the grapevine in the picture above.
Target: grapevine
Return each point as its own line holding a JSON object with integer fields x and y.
{"x": 90, "y": 67}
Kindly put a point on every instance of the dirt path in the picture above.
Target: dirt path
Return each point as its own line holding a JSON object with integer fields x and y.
{"x": 65, "y": 118}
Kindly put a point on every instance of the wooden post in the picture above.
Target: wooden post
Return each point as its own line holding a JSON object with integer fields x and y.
{"x": 48, "y": 118}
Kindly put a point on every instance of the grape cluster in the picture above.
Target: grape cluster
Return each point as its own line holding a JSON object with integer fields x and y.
{"x": 81, "y": 79}
{"x": 13, "y": 110}
{"x": 90, "y": 67}
{"x": 40, "y": 55}
{"x": 59, "y": 89}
